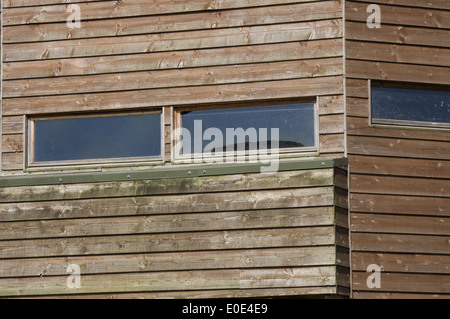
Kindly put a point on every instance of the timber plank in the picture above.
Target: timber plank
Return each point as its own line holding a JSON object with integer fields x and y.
{"x": 331, "y": 124}
{"x": 399, "y": 166}
{"x": 357, "y": 87}
{"x": 411, "y": 263}
{"x": 380, "y": 146}
{"x": 173, "y": 223}
{"x": 250, "y": 258}
{"x": 398, "y": 34}
{"x": 12, "y": 124}
{"x": 400, "y": 243}
{"x": 203, "y": 294}
{"x": 397, "y": 295}
{"x": 175, "y": 96}
{"x": 400, "y": 224}
{"x": 432, "y": 4}
{"x": 12, "y": 161}
{"x": 188, "y": 185}
{"x": 12, "y": 143}
{"x": 333, "y": 104}
{"x": 168, "y": 204}
{"x": 419, "y": 17}
{"x": 167, "y": 281}
{"x": 169, "y": 76}
{"x": 175, "y": 242}
{"x": 360, "y": 126}
{"x": 322, "y": 29}
{"x": 401, "y": 282}
{"x": 396, "y": 204}
{"x": 238, "y": 182}
{"x": 397, "y": 53}
{"x": 399, "y": 185}
{"x": 120, "y": 27}
{"x": 23, "y": 3}
{"x": 398, "y": 72}
{"x": 358, "y": 107}
{"x": 130, "y": 8}
{"x": 332, "y": 143}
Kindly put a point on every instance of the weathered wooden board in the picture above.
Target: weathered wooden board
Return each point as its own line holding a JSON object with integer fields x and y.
{"x": 400, "y": 166}
{"x": 168, "y": 204}
{"x": 397, "y": 72}
{"x": 360, "y": 126}
{"x": 166, "y": 74}
{"x": 399, "y": 243}
{"x": 12, "y": 143}
{"x": 401, "y": 282}
{"x": 361, "y": 183}
{"x": 415, "y": 263}
{"x": 279, "y": 257}
{"x": 148, "y": 187}
{"x": 392, "y": 14}
{"x": 168, "y": 223}
{"x": 130, "y": 8}
{"x": 396, "y": 204}
{"x": 398, "y": 53}
{"x": 432, "y": 4}
{"x": 400, "y": 224}
{"x": 397, "y": 34}
{"x": 380, "y": 146}
{"x": 176, "y": 242}
{"x": 287, "y": 292}
{"x": 394, "y": 295}
{"x": 175, "y": 96}
{"x": 120, "y": 27}
{"x": 12, "y": 124}
{"x": 192, "y": 280}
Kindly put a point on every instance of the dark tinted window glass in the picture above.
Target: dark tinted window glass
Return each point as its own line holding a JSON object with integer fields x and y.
{"x": 410, "y": 105}
{"x": 97, "y": 137}
{"x": 295, "y": 123}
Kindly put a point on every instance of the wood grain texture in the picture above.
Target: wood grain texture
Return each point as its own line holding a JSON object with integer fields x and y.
{"x": 399, "y": 205}
{"x": 213, "y": 19}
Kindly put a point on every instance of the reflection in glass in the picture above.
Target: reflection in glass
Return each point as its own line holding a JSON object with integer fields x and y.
{"x": 295, "y": 123}
{"x": 410, "y": 105}
{"x": 97, "y": 137}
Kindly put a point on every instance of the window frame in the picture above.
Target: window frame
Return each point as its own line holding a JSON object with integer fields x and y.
{"x": 29, "y": 162}
{"x": 295, "y": 152}
{"x": 405, "y": 124}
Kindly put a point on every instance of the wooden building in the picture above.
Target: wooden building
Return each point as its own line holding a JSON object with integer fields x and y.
{"x": 354, "y": 190}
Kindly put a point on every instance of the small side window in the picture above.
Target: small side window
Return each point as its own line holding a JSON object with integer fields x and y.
{"x": 404, "y": 105}
{"x": 94, "y": 139}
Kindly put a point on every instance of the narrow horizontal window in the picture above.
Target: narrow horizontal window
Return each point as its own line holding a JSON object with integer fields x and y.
{"x": 419, "y": 107}
{"x": 250, "y": 128}
{"x": 95, "y": 138}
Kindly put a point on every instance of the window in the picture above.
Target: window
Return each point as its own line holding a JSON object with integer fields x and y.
{"x": 249, "y": 128}
{"x": 407, "y": 105}
{"x": 94, "y": 139}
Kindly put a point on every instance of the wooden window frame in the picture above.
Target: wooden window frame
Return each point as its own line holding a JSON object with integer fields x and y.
{"x": 405, "y": 124}
{"x": 29, "y": 162}
{"x": 284, "y": 153}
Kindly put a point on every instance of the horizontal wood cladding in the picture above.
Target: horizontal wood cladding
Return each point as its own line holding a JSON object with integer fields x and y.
{"x": 110, "y": 9}
{"x": 192, "y": 280}
{"x": 150, "y": 54}
{"x": 399, "y": 181}
{"x": 236, "y": 232}
{"x": 214, "y": 19}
